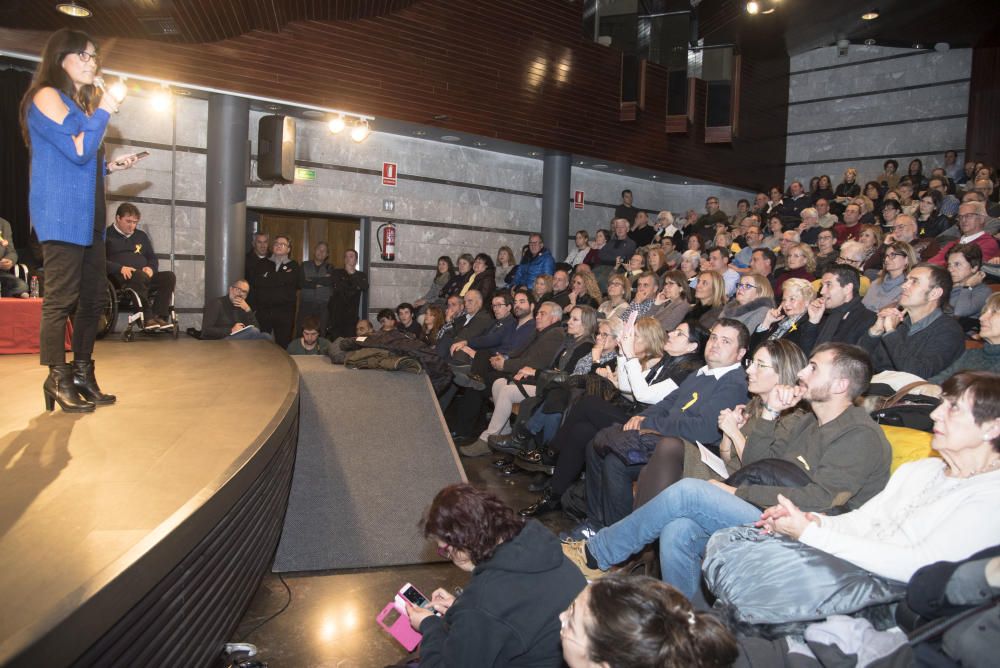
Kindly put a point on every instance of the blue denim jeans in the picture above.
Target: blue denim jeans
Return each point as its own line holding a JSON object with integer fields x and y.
{"x": 683, "y": 517}
{"x": 546, "y": 424}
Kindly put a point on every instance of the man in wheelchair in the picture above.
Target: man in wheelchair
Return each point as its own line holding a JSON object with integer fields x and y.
{"x": 132, "y": 264}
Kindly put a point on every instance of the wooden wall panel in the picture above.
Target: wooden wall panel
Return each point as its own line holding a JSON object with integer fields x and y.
{"x": 519, "y": 70}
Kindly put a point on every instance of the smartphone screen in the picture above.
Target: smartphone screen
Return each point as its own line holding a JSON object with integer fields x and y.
{"x": 415, "y": 597}
{"x": 142, "y": 154}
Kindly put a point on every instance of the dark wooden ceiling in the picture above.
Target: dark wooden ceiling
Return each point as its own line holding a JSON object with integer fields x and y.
{"x": 189, "y": 20}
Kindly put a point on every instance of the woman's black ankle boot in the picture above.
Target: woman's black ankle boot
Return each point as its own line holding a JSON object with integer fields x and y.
{"x": 59, "y": 388}
{"x": 86, "y": 383}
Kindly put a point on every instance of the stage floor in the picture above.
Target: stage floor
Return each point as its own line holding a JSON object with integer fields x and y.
{"x": 85, "y": 496}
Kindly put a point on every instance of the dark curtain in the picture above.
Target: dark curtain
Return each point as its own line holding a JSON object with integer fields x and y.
{"x": 14, "y": 159}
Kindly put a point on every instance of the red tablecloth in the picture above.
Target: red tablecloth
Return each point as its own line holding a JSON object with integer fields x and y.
{"x": 19, "y": 324}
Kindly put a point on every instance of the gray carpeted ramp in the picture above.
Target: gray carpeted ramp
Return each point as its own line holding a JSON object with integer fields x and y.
{"x": 373, "y": 451}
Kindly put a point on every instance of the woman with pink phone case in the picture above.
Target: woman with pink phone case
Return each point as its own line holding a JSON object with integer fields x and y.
{"x": 508, "y": 614}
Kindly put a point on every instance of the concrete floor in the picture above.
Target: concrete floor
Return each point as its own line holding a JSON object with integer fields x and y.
{"x": 330, "y": 620}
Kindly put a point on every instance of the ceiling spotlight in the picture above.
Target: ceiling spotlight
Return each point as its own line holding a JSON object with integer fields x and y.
{"x": 479, "y": 143}
{"x": 918, "y": 45}
{"x": 753, "y": 7}
{"x": 74, "y": 9}
{"x": 600, "y": 165}
{"x": 870, "y": 15}
{"x": 450, "y": 138}
{"x": 360, "y": 131}
{"x": 337, "y": 124}
{"x": 869, "y": 42}
{"x": 161, "y": 99}
{"x": 654, "y": 176}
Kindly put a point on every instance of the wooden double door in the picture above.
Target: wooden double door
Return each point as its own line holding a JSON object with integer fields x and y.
{"x": 304, "y": 233}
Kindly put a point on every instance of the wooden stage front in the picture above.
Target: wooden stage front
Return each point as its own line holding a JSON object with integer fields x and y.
{"x": 136, "y": 535}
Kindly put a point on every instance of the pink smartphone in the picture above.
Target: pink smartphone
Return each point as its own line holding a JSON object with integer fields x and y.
{"x": 398, "y": 626}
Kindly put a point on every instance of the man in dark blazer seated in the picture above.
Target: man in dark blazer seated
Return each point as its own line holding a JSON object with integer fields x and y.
{"x": 132, "y": 264}
{"x": 837, "y": 316}
{"x": 231, "y": 315}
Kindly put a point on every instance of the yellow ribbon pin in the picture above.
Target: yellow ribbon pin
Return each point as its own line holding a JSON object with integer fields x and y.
{"x": 694, "y": 398}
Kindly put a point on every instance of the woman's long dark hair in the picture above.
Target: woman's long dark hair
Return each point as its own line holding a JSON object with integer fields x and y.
{"x": 50, "y": 73}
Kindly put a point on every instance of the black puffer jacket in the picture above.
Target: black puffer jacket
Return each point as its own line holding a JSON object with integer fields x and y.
{"x": 508, "y": 615}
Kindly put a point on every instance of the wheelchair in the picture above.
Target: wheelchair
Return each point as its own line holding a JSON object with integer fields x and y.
{"x": 125, "y": 299}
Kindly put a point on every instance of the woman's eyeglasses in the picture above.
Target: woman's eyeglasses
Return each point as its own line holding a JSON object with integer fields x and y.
{"x": 85, "y": 56}
{"x": 746, "y": 286}
{"x": 754, "y": 363}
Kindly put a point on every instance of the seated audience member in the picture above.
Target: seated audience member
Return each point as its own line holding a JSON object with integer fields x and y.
{"x": 500, "y": 331}
{"x": 871, "y": 242}
{"x": 483, "y": 276}
{"x": 537, "y": 260}
{"x": 754, "y": 239}
{"x": 986, "y": 358}
{"x": 461, "y": 281}
{"x": 646, "y": 286}
{"x": 796, "y": 202}
{"x": 673, "y": 302}
{"x": 972, "y": 223}
{"x": 968, "y": 292}
{"x": 387, "y": 320}
{"x": 638, "y": 622}
{"x": 584, "y": 291}
{"x": 930, "y": 220}
{"x": 789, "y": 320}
{"x": 445, "y": 272}
{"x": 277, "y": 292}
{"x": 581, "y": 250}
{"x": 364, "y": 327}
{"x": 889, "y": 177}
{"x": 838, "y": 314}
{"x": 405, "y": 320}
{"x": 775, "y": 363}
{"x": 634, "y": 267}
{"x": 809, "y": 228}
{"x": 838, "y": 447}
{"x": 577, "y": 343}
{"x": 854, "y": 254}
{"x": 505, "y": 264}
{"x": 453, "y": 313}
{"x": 619, "y": 288}
{"x": 799, "y": 263}
{"x": 560, "y": 288}
{"x": 644, "y": 376}
{"x": 825, "y": 219}
{"x": 349, "y": 283}
{"x": 542, "y": 288}
{"x": 826, "y": 251}
{"x": 690, "y": 266}
{"x": 904, "y": 228}
{"x": 786, "y": 240}
{"x": 704, "y": 226}
{"x": 709, "y": 299}
{"x": 642, "y": 232}
{"x": 230, "y": 314}
{"x": 850, "y": 229}
{"x": 763, "y": 262}
{"x": 508, "y": 612}
{"x": 935, "y": 509}
{"x": 663, "y": 259}
{"x": 539, "y": 353}
{"x": 718, "y": 261}
{"x": 475, "y": 320}
{"x": 600, "y": 240}
{"x": 432, "y": 326}
{"x": 133, "y": 264}
{"x": 754, "y": 298}
{"x": 922, "y": 338}
{"x": 317, "y": 281}
{"x": 898, "y": 260}
{"x": 310, "y": 343}
{"x": 617, "y": 454}
{"x": 10, "y": 285}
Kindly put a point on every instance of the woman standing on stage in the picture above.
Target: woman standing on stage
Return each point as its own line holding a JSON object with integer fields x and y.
{"x": 63, "y": 118}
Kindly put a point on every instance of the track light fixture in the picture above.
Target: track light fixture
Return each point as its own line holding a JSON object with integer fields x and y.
{"x": 162, "y": 98}
{"x": 360, "y": 132}
{"x": 74, "y": 9}
{"x": 753, "y": 7}
{"x": 337, "y": 124}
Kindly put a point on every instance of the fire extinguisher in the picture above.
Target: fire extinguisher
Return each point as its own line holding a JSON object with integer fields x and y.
{"x": 386, "y": 237}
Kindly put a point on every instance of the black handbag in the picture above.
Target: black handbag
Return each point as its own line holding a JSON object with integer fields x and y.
{"x": 770, "y": 472}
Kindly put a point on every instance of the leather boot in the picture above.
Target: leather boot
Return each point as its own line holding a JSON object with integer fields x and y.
{"x": 59, "y": 388}
{"x": 517, "y": 441}
{"x": 548, "y": 502}
{"x": 86, "y": 383}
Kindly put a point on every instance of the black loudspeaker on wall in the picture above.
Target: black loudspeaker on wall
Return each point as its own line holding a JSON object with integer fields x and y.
{"x": 276, "y": 149}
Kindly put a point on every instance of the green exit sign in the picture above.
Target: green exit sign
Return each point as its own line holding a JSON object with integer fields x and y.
{"x": 303, "y": 174}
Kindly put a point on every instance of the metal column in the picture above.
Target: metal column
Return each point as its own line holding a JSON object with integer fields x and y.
{"x": 555, "y": 202}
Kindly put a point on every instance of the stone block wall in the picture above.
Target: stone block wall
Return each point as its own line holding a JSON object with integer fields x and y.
{"x": 873, "y": 104}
